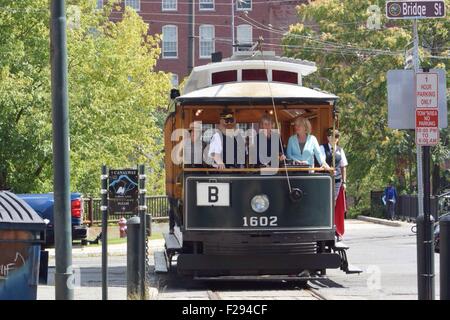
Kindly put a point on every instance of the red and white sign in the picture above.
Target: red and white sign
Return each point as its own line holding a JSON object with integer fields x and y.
{"x": 427, "y": 118}
{"x": 427, "y": 130}
{"x": 426, "y": 90}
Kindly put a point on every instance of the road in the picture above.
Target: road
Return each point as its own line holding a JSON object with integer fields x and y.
{"x": 386, "y": 254}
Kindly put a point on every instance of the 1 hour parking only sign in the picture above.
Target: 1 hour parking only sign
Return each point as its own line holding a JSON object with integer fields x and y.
{"x": 427, "y": 112}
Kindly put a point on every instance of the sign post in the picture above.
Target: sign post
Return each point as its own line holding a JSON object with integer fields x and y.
{"x": 427, "y": 134}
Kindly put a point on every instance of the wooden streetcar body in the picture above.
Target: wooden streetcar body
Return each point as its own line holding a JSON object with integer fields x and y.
{"x": 232, "y": 240}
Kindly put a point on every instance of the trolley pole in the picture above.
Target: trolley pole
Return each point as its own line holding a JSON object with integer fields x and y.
{"x": 61, "y": 187}
{"x": 425, "y": 252}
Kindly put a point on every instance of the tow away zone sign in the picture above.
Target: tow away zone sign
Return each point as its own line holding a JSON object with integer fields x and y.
{"x": 427, "y": 131}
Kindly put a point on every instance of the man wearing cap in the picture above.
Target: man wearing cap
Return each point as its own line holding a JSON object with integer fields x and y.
{"x": 340, "y": 176}
{"x": 227, "y": 147}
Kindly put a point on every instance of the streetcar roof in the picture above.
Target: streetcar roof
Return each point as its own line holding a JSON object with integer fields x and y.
{"x": 201, "y": 76}
{"x": 257, "y": 91}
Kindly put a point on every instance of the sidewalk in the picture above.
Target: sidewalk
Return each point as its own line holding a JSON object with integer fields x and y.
{"x": 113, "y": 249}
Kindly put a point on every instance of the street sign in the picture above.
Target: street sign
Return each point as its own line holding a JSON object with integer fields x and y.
{"x": 427, "y": 131}
{"x": 402, "y": 99}
{"x": 123, "y": 191}
{"x": 415, "y": 9}
{"x": 426, "y": 90}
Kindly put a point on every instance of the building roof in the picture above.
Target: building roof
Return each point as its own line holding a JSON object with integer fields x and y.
{"x": 257, "y": 91}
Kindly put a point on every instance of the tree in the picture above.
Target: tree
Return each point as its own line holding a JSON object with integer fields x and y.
{"x": 352, "y": 62}
{"x": 114, "y": 98}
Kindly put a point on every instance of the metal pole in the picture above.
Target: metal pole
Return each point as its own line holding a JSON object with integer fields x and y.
{"x": 425, "y": 252}
{"x": 191, "y": 40}
{"x": 143, "y": 232}
{"x": 104, "y": 209}
{"x": 233, "y": 41}
{"x": 61, "y": 187}
{"x": 444, "y": 229}
{"x": 418, "y": 148}
{"x": 133, "y": 245}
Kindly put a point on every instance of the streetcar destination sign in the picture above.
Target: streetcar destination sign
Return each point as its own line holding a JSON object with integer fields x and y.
{"x": 415, "y": 9}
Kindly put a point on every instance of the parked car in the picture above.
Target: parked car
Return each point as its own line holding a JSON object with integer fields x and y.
{"x": 43, "y": 204}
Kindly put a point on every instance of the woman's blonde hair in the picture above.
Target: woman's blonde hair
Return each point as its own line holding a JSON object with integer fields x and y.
{"x": 300, "y": 121}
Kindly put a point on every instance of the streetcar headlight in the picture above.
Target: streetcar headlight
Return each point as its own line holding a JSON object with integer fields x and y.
{"x": 260, "y": 203}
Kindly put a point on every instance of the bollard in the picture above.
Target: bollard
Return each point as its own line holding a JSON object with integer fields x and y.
{"x": 133, "y": 240}
{"x": 425, "y": 258}
{"x": 444, "y": 242}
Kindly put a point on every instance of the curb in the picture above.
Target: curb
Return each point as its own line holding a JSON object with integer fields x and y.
{"x": 380, "y": 221}
{"x": 114, "y": 250}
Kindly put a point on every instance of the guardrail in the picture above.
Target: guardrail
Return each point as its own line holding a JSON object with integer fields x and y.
{"x": 157, "y": 207}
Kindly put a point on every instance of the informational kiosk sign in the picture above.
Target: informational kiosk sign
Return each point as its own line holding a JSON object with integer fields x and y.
{"x": 123, "y": 191}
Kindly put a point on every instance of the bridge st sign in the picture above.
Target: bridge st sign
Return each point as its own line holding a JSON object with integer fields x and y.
{"x": 415, "y": 9}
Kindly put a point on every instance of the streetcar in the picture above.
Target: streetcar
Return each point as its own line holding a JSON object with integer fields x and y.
{"x": 250, "y": 221}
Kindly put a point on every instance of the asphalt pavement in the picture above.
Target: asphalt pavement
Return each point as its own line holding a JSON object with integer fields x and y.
{"x": 386, "y": 254}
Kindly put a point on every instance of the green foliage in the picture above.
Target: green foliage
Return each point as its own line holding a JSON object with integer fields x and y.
{"x": 115, "y": 96}
{"x": 352, "y": 62}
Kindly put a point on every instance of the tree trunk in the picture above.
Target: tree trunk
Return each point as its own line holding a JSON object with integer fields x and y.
{"x": 3, "y": 176}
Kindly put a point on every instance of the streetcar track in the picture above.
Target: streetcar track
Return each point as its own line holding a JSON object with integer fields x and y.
{"x": 314, "y": 292}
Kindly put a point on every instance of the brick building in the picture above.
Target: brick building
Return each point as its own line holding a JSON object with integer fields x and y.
{"x": 213, "y": 31}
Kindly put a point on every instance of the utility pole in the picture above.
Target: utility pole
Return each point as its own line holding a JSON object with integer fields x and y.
{"x": 425, "y": 252}
{"x": 191, "y": 40}
{"x": 233, "y": 41}
{"x": 61, "y": 187}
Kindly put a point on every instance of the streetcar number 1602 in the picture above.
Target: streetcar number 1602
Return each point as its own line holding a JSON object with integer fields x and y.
{"x": 263, "y": 221}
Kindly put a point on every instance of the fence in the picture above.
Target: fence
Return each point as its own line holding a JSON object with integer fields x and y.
{"x": 157, "y": 207}
{"x": 406, "y": 207}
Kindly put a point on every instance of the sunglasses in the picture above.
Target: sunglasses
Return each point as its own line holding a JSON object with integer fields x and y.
{"x": 229, "y": 121}
{"x": 336, "y": 136}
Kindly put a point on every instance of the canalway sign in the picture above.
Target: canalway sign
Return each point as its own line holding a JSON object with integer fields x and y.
{"x": 123, "y": 191}
{"x": 415, "y": 9}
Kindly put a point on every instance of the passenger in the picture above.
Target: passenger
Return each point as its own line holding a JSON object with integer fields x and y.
{"x": 193, "y": 146}
{"x": 264, "y": 155}
{"x": 340, "y": 176}
{"x": 227, "y": 147}
{"x": 191, "y": 154}
{"x": 303, "y": 146}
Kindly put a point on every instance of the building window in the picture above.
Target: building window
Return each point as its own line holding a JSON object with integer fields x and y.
{"x": 169, "y": 5}
{"x": 244, "y": 4}
{"x": 244, "y": 34}
{"x": 135, "y": 4}
{"x": 99, "y": 4}
{"x": 206, "y": 41}
{"x": 174, "y": 80}
{"x": 170, "y": 41}
{"x": 206, "y": 4}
